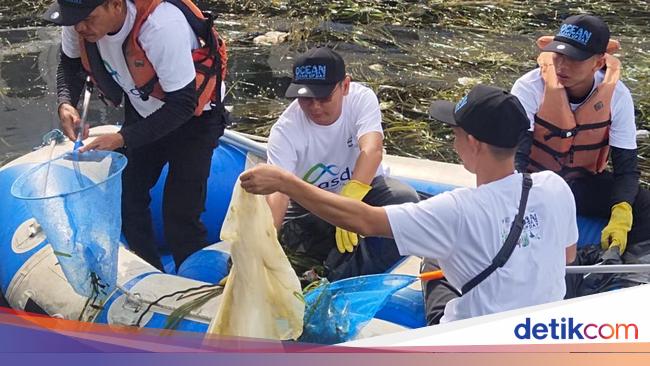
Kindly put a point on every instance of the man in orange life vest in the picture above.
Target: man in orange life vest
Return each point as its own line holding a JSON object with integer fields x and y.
{"x": 170, "y": 70}
{"x": 580, "y": 112}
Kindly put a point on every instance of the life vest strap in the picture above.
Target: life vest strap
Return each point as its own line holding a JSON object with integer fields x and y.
{"x": 562, "y": 133}
{"x": 564, "y": 171}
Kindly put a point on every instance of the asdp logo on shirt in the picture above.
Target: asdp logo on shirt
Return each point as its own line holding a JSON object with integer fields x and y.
{"x": 327, "y": 176}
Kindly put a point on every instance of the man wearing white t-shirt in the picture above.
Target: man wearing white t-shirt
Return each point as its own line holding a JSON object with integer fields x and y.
{"x": 171, "y": 119}
{"x": 464, "y": 229}
{"x": 330, "y": 136}
{"x": 579, "y": 112}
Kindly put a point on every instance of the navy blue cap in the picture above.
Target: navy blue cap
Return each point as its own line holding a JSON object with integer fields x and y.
{"x": 70, "y": 12}
{"x": 490, "y": 114}
{"x": 580, "y": 37}
{"x": 316, "y": 73}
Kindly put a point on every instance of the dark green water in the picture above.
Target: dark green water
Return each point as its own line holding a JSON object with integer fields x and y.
{"x": 410, "y": 52}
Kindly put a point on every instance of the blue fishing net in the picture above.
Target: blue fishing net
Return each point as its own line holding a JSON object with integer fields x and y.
{"x": 336, "y": 312}
{"x": 76, "y": 200}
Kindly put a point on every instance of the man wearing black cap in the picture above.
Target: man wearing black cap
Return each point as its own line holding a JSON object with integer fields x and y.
{"x": 331, "y": 137}
{"x": 466, "y": 228}
{"x": 117, "y": 43}
{"x": 579, "y": 112}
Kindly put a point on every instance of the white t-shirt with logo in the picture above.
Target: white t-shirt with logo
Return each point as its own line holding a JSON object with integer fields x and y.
{"x": 166, "y": 38}
{"x": 465, "y": 228}
{"x": 622, "y": 134}
{"x": 325, "y": 156}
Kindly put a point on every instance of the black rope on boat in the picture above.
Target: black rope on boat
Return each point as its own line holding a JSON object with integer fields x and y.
{"x": 180, "y": 292}
{"x": 98, "y": 288}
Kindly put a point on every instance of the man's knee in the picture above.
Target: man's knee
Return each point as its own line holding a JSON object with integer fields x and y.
{"x": 390, "y": 191}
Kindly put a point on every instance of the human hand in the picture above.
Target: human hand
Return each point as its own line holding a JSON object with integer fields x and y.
{"x": 70, "y": 121}
{"x": 620, "y": 223}
{"x": 109, "y": 142}
{"x": 347, "y": 240}
{"x": 263, "y": 179}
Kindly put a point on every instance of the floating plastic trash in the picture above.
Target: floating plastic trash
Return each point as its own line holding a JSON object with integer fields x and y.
{"x": 76, "y": 198}
{"x": 335, "y": 312}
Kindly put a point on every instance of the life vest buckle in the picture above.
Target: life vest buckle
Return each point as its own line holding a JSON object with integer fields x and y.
{"x": 564, "y": 134}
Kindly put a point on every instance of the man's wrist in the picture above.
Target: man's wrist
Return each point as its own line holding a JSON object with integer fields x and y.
{"x": 61, "y": 104}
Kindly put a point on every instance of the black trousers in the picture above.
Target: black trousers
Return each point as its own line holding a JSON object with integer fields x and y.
{"x": 593, "y": 198}
{"x": 188, "y": 151}
{"x": 437, "y": 293}
{"x": 304, "y": 233}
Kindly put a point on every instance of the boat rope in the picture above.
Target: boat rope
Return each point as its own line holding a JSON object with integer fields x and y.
{"x": 180, "y": 292}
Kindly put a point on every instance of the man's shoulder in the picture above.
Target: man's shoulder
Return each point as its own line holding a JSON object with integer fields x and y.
{"x": 531, "y": 78}
{"x": 360, "y": 88}
{"x": 529, "y": 86}
{"x": 360, "y": 92}
{"x": 164, "y": 15}
{"x": 550, "y": 182}
{"x": 621, "y": 90}
{"x": 291, "y": 117}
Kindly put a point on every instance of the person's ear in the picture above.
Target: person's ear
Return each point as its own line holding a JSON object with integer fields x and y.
{"x": 600, "y": 62}
{"x": 345, "y": 85}
{"x": 474, "y": 144}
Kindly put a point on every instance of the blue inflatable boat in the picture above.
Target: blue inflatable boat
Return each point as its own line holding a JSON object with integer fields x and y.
{"x": 31, "y": 280}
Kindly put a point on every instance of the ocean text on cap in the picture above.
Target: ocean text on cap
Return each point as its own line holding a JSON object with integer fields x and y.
{"x": 575, "y": 33}
{"x": 311, "y": 72}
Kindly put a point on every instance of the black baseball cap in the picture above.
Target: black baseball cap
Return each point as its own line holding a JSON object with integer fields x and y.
{"x": 490, "y": 114}
{"x": 70, "y": 12}
{"x": 316, "y": 73}
{"x": 580, "y": 37}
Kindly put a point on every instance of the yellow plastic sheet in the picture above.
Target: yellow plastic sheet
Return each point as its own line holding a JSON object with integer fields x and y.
{"x": 261, "y": 297}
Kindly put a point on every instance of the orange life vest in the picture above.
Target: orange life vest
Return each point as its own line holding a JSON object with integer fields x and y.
{"x": 572, "y": 143}
{"x": 210, "y": 59}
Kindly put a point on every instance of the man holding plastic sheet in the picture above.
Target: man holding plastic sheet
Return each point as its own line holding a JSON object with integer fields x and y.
{"x": 331, "y": 137}
{"x": 504, "y": 244}
{"x": 168, "y": 60}
{"x": 579, "y": 111}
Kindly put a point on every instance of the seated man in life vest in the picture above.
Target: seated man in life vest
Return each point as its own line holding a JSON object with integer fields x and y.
{"x": 142, "y": 52}
{"x": 510, "y": 219}
{"x": 580, "y": 114}
{"x": 331, "y": 137}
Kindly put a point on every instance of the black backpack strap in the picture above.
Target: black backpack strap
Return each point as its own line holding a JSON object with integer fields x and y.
{"x": 511, "y": 241}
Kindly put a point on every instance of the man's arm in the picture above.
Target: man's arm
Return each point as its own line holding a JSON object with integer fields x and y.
{"x": 372, "y": 149}
{"x": 278, "y": 202}
{"x": 69, "y": 83}
{"x": 571, "y": 253}
{"x": 626, "y": 175}
{"x": 526, "y": 96}
{"x": 340, "y": 211}
{"x": 178, "y": 108}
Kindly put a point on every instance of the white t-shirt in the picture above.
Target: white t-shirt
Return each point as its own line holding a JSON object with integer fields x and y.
{"x": 622, "y": 134}
{"x": 465, "y": 228}
{"x": 166, "y": 38}
{"x": 325, "y": 156}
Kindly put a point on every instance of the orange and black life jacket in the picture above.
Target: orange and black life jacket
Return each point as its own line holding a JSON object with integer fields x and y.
{"x": 210, "y": 59}
{"x": 572, "y": 143}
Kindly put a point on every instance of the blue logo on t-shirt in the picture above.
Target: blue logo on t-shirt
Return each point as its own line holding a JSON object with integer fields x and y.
{"x": 311, "y": 72}
{"x": 575, "y": 33}
{"x": 113, "y": 73}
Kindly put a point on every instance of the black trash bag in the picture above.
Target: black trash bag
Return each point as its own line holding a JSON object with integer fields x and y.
{"x": 591, "y": 283}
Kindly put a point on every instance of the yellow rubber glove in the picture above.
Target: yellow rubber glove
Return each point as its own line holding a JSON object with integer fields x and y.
{"x": 620, "y": 223}
{"x": 345, "y": 240}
